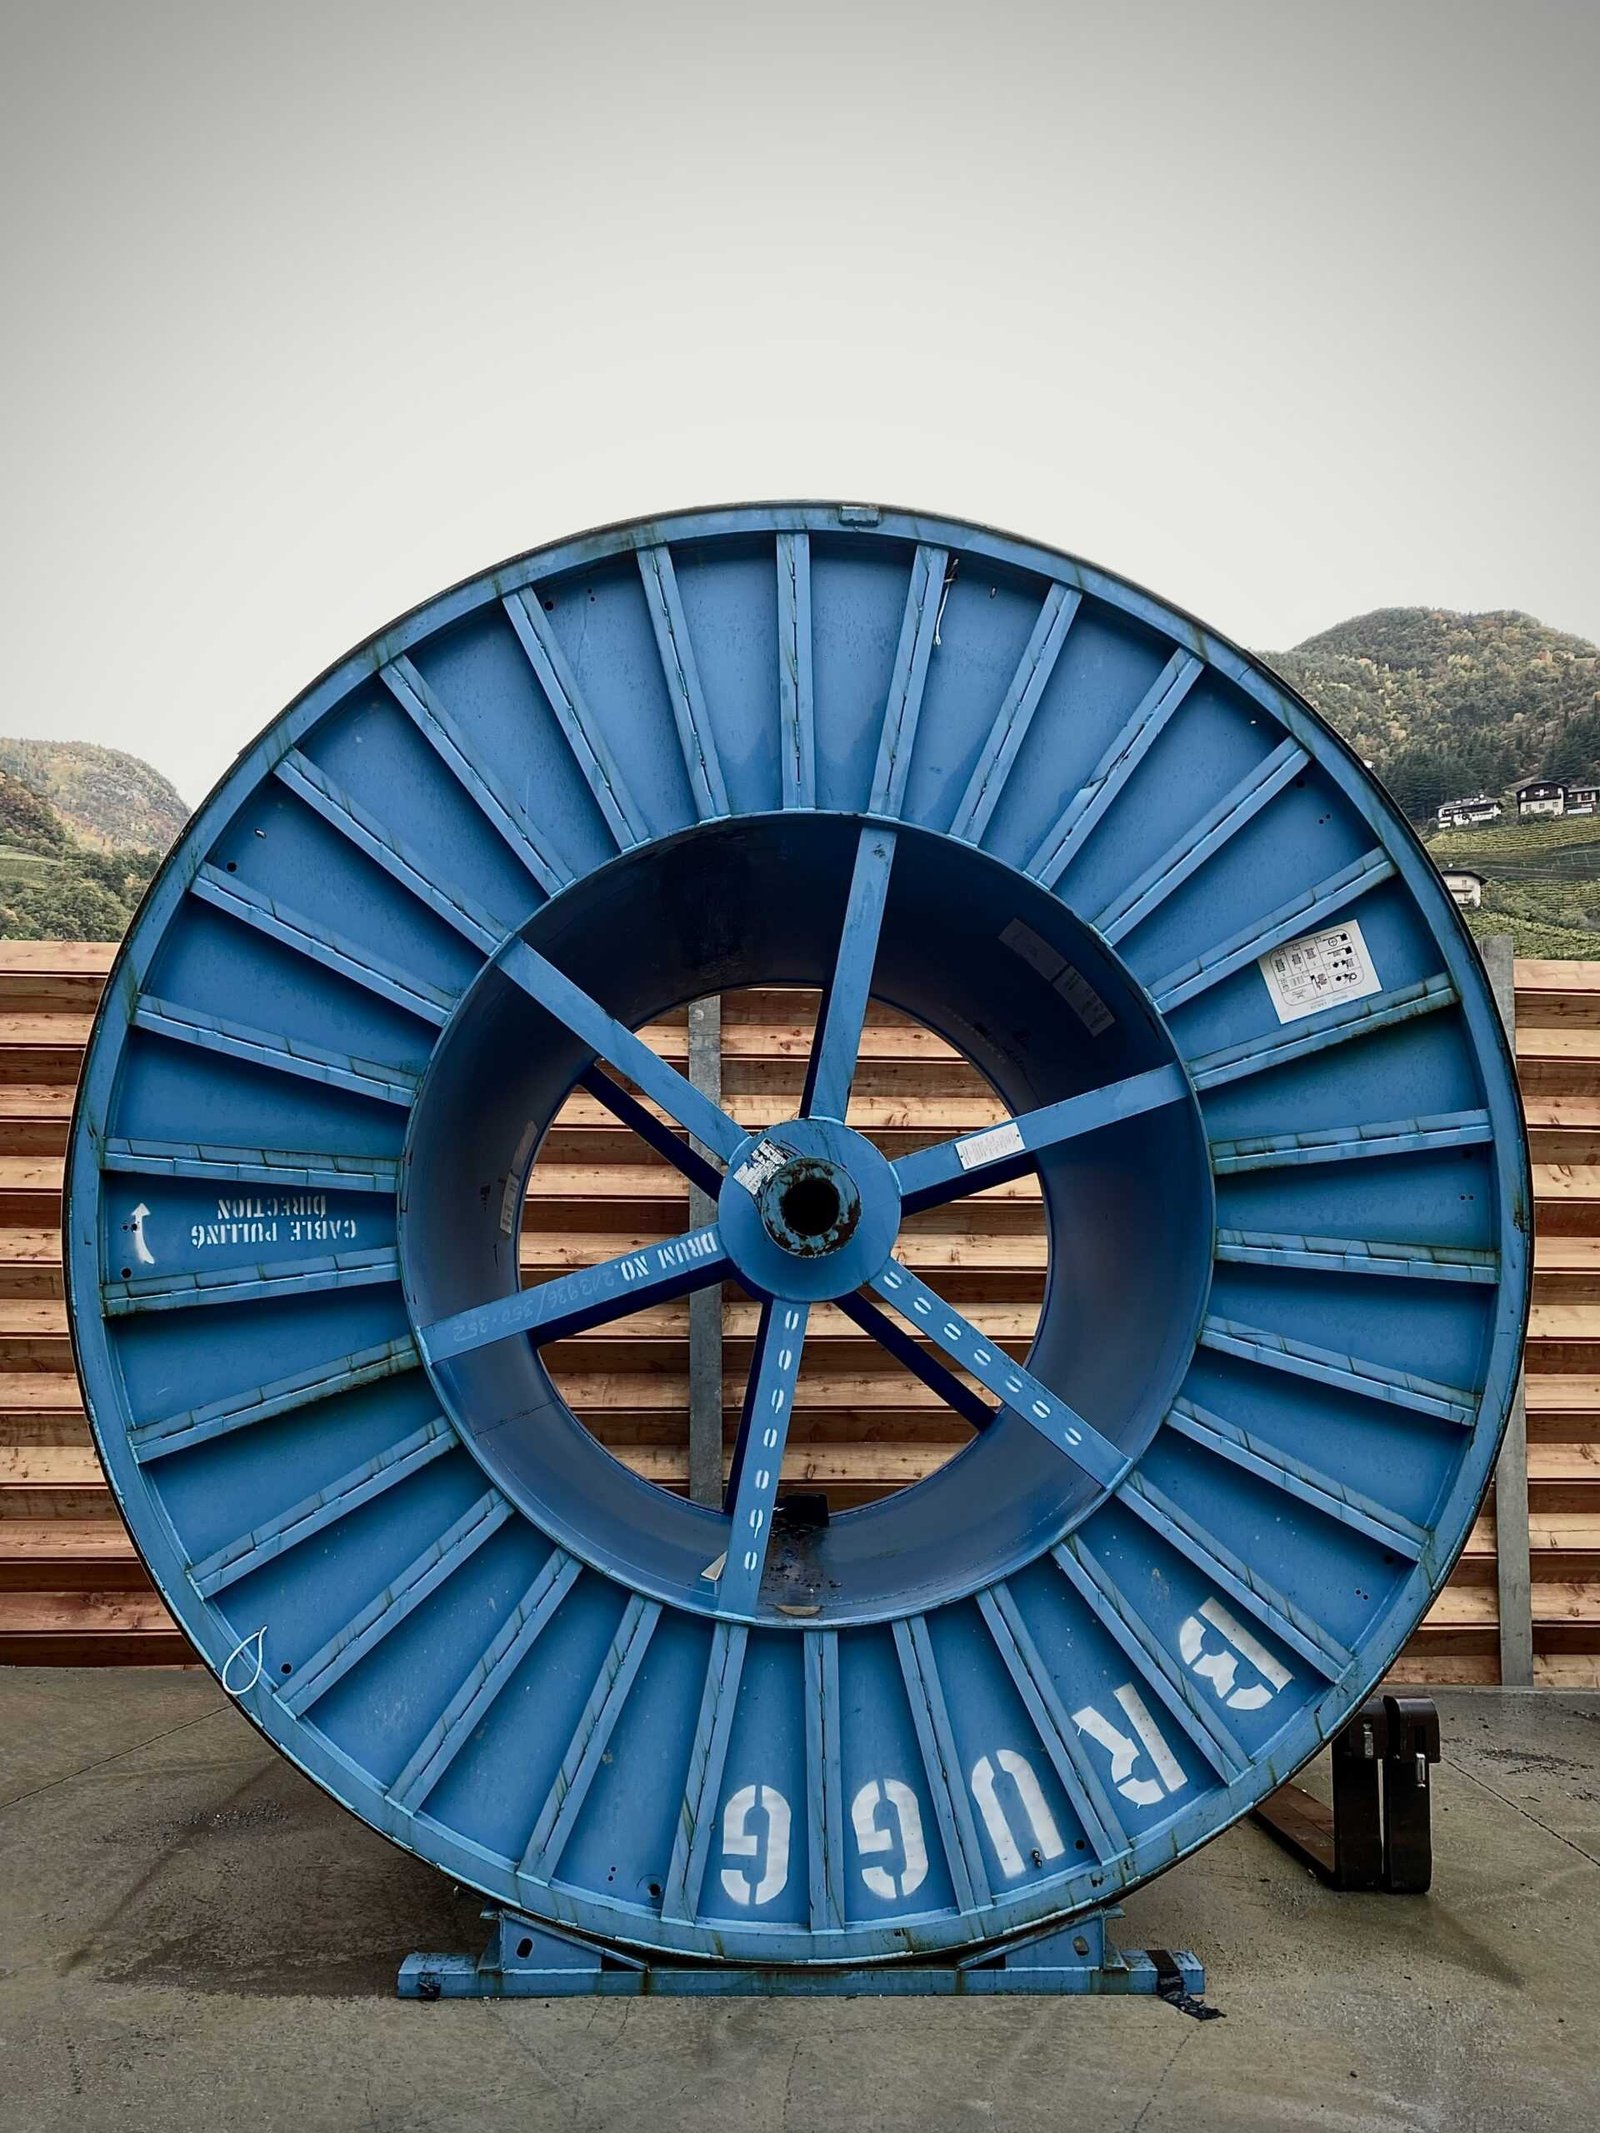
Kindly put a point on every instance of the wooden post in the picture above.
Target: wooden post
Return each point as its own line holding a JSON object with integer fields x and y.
{"x": 705, "y": 1305}
{"x": 1513, "y": 1568}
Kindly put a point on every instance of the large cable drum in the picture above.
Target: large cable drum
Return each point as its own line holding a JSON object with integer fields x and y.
{"x": 1238, "y": 1032}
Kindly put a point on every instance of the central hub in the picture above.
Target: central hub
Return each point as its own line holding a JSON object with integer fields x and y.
{"x": 809, "y": 1210}
{"x": 809, "y": 1206}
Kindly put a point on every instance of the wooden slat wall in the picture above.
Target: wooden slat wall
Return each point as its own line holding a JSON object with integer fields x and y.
{"x": 71, "y": 1588}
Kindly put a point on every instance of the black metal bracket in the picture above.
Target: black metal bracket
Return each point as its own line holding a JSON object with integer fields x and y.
{"x": 1378, "y": 1834}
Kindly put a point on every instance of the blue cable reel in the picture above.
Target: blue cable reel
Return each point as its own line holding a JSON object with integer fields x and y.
{"x": 1240, "y": 1033}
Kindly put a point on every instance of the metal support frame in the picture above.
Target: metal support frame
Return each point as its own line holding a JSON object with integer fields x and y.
{"x": 1378, "y": 1833}
{"x": 705, "y": 1305}
{"x": 526, "y": 1960}
{"x": 1513, "y": 1566}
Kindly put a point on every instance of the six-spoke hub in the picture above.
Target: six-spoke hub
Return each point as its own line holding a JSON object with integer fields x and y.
{"x": 808, "y": 1210}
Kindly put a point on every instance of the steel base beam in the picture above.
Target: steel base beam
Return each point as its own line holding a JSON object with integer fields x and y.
{"x": 526, "y": 1960}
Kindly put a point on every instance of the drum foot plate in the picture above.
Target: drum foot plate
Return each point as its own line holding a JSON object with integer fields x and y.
{"x": 524, "y": 1960}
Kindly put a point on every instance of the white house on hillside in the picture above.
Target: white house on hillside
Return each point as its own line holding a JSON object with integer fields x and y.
{"x": 1541, "y": 797}
{"x": 1465, "y": 886}
{"x": 1457, "y": 814}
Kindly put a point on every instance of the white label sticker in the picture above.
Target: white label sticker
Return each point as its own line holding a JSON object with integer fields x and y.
{"x": 511, "y": 1198}
{"x": 1023, "y": 941}
{"x": 759, "y": 1164}
{"x": 1084, "y": 1001}
{"x": 989, "y": 1147}
{"x": 1058, "y": 973}
{"x": 1319, "y": 970}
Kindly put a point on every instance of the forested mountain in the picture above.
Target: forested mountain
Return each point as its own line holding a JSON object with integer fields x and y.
{"x": 1444, "y": 704}
{"x": 103, "y": 796}
{"x": 82, "y": 829}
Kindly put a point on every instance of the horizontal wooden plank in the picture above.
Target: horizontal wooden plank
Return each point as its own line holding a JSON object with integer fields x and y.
{"x": 59, "y": 1554}
{"x": 29, "y": 956}
{"x": 1541, "y": 974}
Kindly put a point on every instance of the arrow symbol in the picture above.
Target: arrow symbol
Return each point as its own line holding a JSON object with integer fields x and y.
{"x": 141, "y": 1250}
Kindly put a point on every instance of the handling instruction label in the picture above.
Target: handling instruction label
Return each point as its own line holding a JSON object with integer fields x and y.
{"x": 1319, "y": 971}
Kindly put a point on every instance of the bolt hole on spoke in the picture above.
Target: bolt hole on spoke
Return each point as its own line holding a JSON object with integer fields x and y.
{"x": 825, "y": 1215}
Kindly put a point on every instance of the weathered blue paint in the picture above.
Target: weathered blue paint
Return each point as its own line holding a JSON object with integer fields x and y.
{"x": 871, "y": 752}
{"x": 524, "y": 1960}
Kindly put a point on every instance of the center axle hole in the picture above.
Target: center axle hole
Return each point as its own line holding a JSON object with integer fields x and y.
{"x": 811, "y": 1205}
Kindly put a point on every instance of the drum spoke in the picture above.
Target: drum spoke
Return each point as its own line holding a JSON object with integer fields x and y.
{"x": 941, "y": 1763}
{"x": 1177, "y": 1689}
{"x": 653, "y": 1131}
{"x": 1079, "y": 1779}
{"x": 322, "y": 945}
{"x": 620, "y": 1048}
{"x": 1351, "y": 1144}
{"x": 514, "y": 825}
{"x": 697, "y": 1822}
{"x": 1010, "y": 1382}
{"x": 907, "y": 1350}
{"x": 590, "y": 1296}
{"x": 623, "y": 815}
{"x": 1351, "y": 1255}
{"x": 250, "y": 1284}
{"x": 473, "y": 1701}
{"x": 1290, "y": 1624}
{"x": 689, "y": 712}
{"x": 373, "y": 1478}
{"x": 1208, "y": 836}
{"x": 832, "y": 1064}
{"x": 1349, "y": 1373}
{"x": 400, "y": 1597}
{"x": 758, "y": 1454}
{"x": 1301, "y": 914}
{"x": 342, "y": 812}
{"x": 1038, "y": 663}
{"x": 286, "y": 1168}
{"x": 1321, "y": 1031}
{"x": 1063, "y": 843}
{"x": 824, "y": 1782}
{"x": 618, "y": 1672}
{"x": 930, "y": 570}
{"x": 283, "y": 1055}
{"x": 951, "y": 1169}
{"x": 796, "y": 702}
{"x": 220, "y": 1418}
{"x": 1254, "y": 1455}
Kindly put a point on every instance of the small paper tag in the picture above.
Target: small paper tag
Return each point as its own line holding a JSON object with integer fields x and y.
{"x": 1323, "y": 968}
{"x": 1059, "y": 974}
{"x": 511, "y": 1198}
{"x": 1084, "y": 1001}
{"x": 988, "y": 1147}
{"x": 764, "y": 1158}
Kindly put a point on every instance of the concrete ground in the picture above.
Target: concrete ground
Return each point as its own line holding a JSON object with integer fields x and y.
{"x": 191, "y": 1936}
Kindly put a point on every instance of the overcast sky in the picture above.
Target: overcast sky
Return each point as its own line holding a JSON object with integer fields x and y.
{"x": 1288, "y": 311}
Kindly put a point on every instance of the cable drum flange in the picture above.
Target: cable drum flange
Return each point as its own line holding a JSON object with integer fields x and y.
{"x": 1241, "y": 1037}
